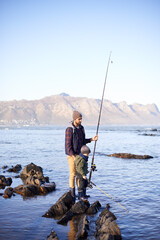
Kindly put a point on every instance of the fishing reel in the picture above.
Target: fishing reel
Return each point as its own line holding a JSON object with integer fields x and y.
{"x": 93, "y": 167}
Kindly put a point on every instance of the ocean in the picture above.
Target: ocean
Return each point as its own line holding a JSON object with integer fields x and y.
{"x": 134, "y": 183}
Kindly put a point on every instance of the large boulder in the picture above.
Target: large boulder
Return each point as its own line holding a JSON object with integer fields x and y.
{"x": 129, "y": 156}
{"x": 63, "y": 204}
{"x": 33, "y": 174}
{"x": 78, "y": 208}
{"x": 5, "y": 181}
{"x": 107, "y": 228}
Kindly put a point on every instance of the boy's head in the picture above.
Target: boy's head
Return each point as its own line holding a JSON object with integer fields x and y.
{"x": 85, "y": 150}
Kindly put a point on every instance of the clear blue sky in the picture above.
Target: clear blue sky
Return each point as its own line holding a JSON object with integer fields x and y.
{"x": 48, "y": 47}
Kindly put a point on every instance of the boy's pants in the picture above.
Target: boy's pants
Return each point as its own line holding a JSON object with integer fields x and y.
{"x": 82, "y": 183}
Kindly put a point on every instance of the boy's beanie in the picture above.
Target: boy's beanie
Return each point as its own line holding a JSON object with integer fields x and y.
{"x": 85, "y": 149}
{"x": 76, "y": 114}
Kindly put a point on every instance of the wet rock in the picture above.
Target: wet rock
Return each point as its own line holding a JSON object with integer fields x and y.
{"x": 17, "y": 176}
{"x": 94, "y": 208}
{"x": 83, "y": 228}
{"x": 146, "y": 134}
{"x": 15, "y": 169}
{"x": 4, "y": 167}
{"x": 78, "y": 208}
{"x": 30, "y": 190}
{"x": 107, "y": 228}
{"x": 60, "y": 207}
{"x": 52, "y": 236}
{"x": 129, "y": 156}
{"x": 33, "y": 174}
{"x": 47, "y": 187}
{"x": 154, "y": 129}
{"x": 8, "y": 192}
{"x": 5, "y": 181}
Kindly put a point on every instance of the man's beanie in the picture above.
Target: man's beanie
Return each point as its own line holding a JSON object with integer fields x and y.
{"x": 85, "y": 149}
{"x": 76, "y": 115}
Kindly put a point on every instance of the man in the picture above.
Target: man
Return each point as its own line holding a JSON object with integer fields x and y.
{"x": 74, "y": 140}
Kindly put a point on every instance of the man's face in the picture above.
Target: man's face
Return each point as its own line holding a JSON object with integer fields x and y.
{"x": 78, "y": 121}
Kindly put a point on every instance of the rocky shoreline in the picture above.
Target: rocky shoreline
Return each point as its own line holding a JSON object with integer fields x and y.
{"x": 63, "y": 211}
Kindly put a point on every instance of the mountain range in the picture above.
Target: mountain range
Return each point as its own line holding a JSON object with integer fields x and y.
{"x": 58, "y": 109}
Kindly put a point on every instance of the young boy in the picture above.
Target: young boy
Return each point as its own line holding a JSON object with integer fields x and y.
{"x": 81, "y": 164}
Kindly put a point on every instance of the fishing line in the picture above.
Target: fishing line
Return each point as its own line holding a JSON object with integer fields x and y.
{"x": 109, "y": 196}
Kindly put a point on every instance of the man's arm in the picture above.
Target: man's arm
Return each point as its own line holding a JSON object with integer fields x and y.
{"x": 69, "y": 142}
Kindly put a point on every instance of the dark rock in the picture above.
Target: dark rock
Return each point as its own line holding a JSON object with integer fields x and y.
{"x": 30, "y": 190}
{"x": 4, "y": 167}
{"x": 15, "y": 169}
{"x": 5, "y": 181}
{"x": 129, "y": 156}
{"x": 52, "y": 236}
{"x": 60, "y": 207}
{"x": 78, "y": 208}
{"x": 107, "y": 228}
{"x": 47, "y": 187}
{"x": 83, "y": 228}
{"x": 8, "y": 192}
{"x": 33, "y": 174}
{"x": 17, "y": 176}
{"x": 154, "y": 130}
{"x": 93, "y": 208}
{"x": 146, "y": 134}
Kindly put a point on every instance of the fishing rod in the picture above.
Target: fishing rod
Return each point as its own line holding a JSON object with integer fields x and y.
{"x": 109, "y": 196}
{"x": 93, "y": 167}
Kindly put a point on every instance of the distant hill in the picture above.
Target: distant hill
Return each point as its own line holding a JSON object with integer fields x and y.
{"x": 57, "y": 110}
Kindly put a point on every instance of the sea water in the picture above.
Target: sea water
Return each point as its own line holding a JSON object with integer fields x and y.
{"x": 134, "y": 183}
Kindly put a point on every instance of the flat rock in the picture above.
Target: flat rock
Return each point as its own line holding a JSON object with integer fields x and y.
{"x": 30, "y": 190}
{"x": 129, "y": 156}
{"x": 15, "y": 168}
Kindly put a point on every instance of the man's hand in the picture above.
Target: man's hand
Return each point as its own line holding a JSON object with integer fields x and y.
{"x": 95, "y": 138}
{"x": 84, "y": 177}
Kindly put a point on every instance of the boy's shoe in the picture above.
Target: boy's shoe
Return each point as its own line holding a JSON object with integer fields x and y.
{"x": 81, "y": 196}
{"x": 84, "y": 192}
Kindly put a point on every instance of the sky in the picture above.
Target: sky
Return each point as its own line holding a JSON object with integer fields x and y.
{"x": 48, "y": 47}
